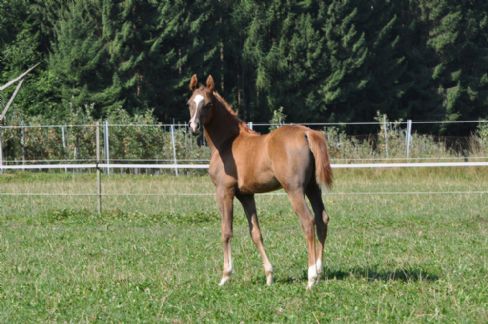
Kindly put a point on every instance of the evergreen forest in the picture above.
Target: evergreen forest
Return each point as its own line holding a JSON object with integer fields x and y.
{"x": 318, "y": 61}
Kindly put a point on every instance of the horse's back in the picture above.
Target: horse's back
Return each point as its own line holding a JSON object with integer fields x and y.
{"x": 261, "y": 163}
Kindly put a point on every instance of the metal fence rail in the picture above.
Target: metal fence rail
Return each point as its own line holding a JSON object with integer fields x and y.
{"x": 102, "y": 152}
{"x": 161, "y": 143}
{"x": 205, "y": 166}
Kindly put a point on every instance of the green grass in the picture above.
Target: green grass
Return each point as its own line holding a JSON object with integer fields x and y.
{"x": 389, "y": 258}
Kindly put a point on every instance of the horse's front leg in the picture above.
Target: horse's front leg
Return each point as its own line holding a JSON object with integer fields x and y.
{"x": 249, "y": 205}
{"x": 225, "y": 197}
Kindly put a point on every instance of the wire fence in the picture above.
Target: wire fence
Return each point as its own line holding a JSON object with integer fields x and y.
{"x": 173, "y": 144}
{"x": 62, "y": 195}
{"x": 171, "y": 149}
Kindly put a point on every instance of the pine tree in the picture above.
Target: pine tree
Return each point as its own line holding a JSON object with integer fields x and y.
{"x": 386, "y": 62}
{"x": 347, "y": 53}
{"x": 189, "y": 41}
{"x": 338, "y": 60}
{"x": 168, "y": 59}
{"x": 262, "y": 57}
{"x": 79, "y": 59}
{"x": 20, "y": 48}
{"x": 282, "y": 55}
{"x": 458, "y": 37}
{"x": 128, "y": 26}
{"x": 421, "y": 101}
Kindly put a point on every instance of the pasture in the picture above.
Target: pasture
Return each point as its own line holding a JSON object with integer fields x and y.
{"x": 415, "y": 257}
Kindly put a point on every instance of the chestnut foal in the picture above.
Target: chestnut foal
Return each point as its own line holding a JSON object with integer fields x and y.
{"x": 243, "y": 163}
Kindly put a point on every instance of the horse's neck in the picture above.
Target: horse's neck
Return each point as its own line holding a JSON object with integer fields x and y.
{"x": 222, "y": 129}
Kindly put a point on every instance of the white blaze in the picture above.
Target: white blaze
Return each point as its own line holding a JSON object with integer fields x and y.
{"x": 196, "y": 116}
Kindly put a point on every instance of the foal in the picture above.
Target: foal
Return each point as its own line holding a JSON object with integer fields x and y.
{"x": 243, "y": 163}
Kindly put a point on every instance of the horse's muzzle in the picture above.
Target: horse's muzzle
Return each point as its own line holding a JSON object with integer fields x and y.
{"x": 195, "y": 128}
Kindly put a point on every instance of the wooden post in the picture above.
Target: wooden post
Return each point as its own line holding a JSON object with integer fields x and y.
{"x": 11, "y": 100}
{"x": 20, "y": 77}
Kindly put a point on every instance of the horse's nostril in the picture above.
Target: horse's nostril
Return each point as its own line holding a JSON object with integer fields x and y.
{"x": 195, "y": 127}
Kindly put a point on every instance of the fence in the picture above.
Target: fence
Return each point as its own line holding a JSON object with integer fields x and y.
{"x": 172, "y": 147}
{"x": 159, "y": 148}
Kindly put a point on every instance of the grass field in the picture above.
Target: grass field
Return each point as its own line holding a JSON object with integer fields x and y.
{"x": 157, "y": 258}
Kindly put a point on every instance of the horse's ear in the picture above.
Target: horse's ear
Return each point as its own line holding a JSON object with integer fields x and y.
{"x": 210, "y": 83}
{"x": 193, "y": 82}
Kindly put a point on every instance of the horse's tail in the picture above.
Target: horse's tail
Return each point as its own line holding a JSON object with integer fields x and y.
{"x": 318, "y": 146}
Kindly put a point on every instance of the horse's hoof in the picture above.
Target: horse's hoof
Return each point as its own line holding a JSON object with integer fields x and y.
{"x": 312, "y": 282}
{"x": 269, "y": 279}
{"x": 223, "y": 281}
{"x": 310, "y": 285}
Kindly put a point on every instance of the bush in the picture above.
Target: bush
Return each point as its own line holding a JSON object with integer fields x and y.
{"x": 139, "y": 138}
{"x": 480, "y": 139}
{"x": 389, "y": 143}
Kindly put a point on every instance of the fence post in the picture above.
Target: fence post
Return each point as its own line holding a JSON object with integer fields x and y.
{"x": 408, "y": 137}
{"x": 250, "y": 125}
{"x": 63, "y": 142}
{"x": 63, "y": 138}
{"x": 22, "y": 141}
{"x": 173, "y": 143}
{"x": 385, "y": 126}
{"x": 99, "y": 180}
{"x": 1, "y": 149}
{"x": 106, "y": 146}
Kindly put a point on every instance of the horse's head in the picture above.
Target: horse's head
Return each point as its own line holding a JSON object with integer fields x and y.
{"x": 200, "y": 103}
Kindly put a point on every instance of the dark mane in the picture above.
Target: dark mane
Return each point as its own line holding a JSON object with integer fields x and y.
{"x": 242, "y": 124}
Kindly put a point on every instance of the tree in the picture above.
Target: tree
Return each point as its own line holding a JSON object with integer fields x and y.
{"x": 420, "y": 100}
{"x": 127, "y": 29}
{"x": 347, "y": 53}
{"x": 79, "y": 60}
{"x": 338, "y": 60}
{"x": 458, "y": 36}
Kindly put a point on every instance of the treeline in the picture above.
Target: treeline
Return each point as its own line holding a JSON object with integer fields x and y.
{"x": 339, "y": 60}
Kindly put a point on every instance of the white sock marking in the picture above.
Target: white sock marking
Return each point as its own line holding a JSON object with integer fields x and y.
{"x": 229, "y": 268}
{"x": 312, "y": 273}
{"x": 318, "y": 266}
{"x": 268, "y": 268}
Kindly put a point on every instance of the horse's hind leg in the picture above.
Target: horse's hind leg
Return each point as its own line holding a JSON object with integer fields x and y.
{"x": 297, "y": 199}
{"x": 314, "y": 194}
{"x": 249, "y": 205}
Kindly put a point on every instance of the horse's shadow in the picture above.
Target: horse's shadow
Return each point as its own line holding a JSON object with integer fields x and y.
{"x": 371, "y": 274}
